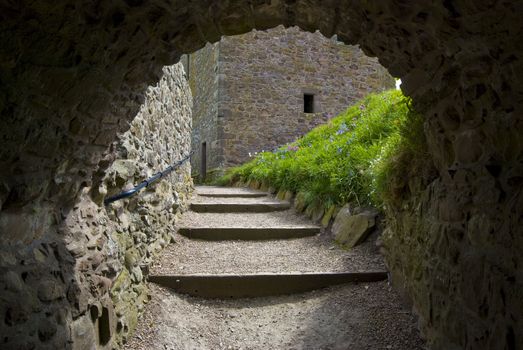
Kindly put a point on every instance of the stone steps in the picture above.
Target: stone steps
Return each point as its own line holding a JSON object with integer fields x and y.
{"x": 228, "y": 192}
{"x": 307, "y": 254}
{"x": 245, "y": 255}
{"x": 285, "y": 218}
{"x": 239, "y": 207}
{"x": 247, "y": 233}
{"x": 232, "y": 195}
{"x": 226, "y": 286}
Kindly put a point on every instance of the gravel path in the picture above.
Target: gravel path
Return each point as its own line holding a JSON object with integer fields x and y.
{"x": 355, "y": 317}
{"x": 286, "y": 218}
{"x": 350, "y": 316}
{"x": 311, "y": 254}
{"x": 235, "y": 200}
{"x": 224, "y": 190}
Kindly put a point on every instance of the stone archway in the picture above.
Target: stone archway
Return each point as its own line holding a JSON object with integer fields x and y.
{"x": 73, "y": 74}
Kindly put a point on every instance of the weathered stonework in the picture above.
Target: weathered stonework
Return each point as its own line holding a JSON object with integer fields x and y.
{"x": 145, "y": 224}
{"x": 73, "y": 75}
{"x": 203, "y": 76}
{"x": 83, "y": 282}
{"x": 250, "y": 90}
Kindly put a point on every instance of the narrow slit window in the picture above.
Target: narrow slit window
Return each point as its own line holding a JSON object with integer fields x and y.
{"x": 203, "y": 164}
{"x": 308, "y": 103}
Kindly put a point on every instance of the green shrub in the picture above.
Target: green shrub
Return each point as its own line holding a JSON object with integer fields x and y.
{"x": 349, "y": 159}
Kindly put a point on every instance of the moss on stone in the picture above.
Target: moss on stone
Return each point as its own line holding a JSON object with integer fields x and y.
{"x": 122, "y": 282}
{"x": 328, "y": 216}
{"x": 299, "y": 202}
{"x": 132, "y": 257}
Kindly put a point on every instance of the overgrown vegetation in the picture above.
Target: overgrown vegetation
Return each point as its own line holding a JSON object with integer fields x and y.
{"x": 365, "y": 155}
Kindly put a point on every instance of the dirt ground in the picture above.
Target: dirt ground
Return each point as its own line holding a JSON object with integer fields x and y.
{"x": 353, "y": 316}
{"x": 309, "y": 254}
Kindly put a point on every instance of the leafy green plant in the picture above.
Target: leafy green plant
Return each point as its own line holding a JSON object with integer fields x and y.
{"x": 350, "y": 159}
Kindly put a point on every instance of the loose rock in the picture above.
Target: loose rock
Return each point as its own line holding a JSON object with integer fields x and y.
{"x": 349, "y": 230}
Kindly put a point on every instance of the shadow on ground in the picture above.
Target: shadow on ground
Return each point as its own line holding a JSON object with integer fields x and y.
{"x": 358, "y": 316}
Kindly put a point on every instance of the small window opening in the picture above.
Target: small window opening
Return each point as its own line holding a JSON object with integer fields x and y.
{"x": 308, "y": 103}
{"x": 104, "y": 327}
{"x": 203, "y": 168}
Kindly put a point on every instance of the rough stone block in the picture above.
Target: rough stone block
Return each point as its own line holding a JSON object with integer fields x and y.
{"x": 349, "y": 230}
{"x": 12, "y": 281}
{"x": 50, "y": 289}
{"x": 83, "y": 334}
{"x": 299, "y": 202}
{"x": 328, "y": 216}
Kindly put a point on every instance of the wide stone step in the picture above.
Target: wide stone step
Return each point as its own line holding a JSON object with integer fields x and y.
{"x": 233, "y": 195}
{"x": 228, "y": 192}
{"x": 285, "y": 218}
{"x": 242, "y": 257}
{"x": 239, "y": 207}
{"x": 248, "y": 233}
{"x": 260, "y": 284}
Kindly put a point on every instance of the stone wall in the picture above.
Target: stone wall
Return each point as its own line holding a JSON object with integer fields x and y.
{"x": 263, "y": 76}
{"x": 454, "y": 242}
{"x": 80, "y": 278}
{"x": 73, "y": 75}
{"x": 203, "y": 78}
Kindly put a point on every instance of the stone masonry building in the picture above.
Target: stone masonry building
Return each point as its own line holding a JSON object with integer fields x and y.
{"x": 260, "y": 90}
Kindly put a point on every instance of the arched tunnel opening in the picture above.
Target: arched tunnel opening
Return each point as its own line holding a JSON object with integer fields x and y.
{"x": 75, "y": 74}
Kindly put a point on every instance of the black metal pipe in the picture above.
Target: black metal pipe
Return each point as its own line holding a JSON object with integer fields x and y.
{"x": 145, "y": 183}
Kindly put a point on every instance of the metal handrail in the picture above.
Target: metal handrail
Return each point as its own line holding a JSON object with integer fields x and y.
{"x": 145, "y": 183}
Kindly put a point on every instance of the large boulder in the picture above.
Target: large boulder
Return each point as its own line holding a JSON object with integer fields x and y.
{"x": 352, "y": 227}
